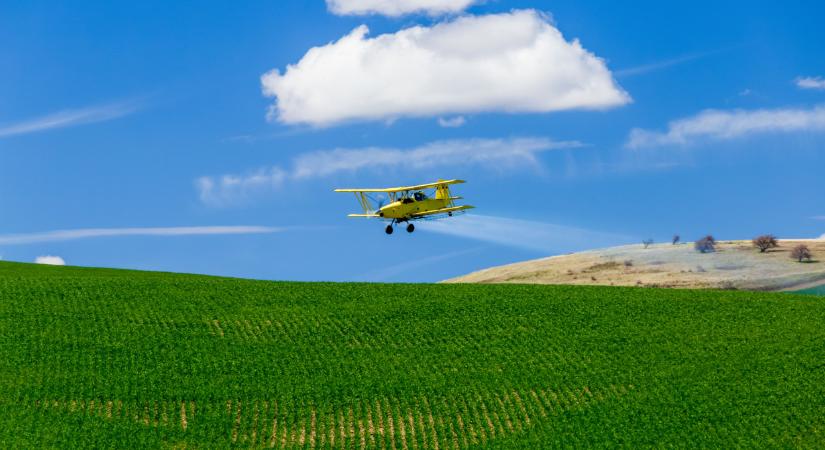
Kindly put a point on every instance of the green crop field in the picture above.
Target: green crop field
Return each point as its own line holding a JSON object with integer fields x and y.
{"x": 107, "y": 358}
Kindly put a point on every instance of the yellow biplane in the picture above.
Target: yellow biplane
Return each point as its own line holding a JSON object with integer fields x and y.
{"x": 408, "y": 203}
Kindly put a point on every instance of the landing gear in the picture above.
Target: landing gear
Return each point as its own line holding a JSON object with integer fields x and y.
{"x": 391, "y": 227}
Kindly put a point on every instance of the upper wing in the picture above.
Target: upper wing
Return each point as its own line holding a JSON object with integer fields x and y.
{"x": 443, "y": 210}
{"x": 405, "y": 188}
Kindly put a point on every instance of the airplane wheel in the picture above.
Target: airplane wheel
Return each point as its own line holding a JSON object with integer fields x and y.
{"x": 410, "y": 228}
{"x": 389, "y": 229}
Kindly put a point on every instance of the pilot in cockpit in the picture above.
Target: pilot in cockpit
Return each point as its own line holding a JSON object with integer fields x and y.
{"x": 419, "y": 196}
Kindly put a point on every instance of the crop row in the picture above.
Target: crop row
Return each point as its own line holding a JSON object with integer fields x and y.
{"x": 419, "y": 422}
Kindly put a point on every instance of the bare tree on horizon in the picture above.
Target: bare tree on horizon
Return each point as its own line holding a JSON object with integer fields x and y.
{"x": 705, "y": 245}
{"x": 764, "y": 242}
{"x": 801, "y": 252}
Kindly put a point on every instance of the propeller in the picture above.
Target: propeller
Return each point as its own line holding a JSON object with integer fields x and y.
{"x": 380, "y": 202}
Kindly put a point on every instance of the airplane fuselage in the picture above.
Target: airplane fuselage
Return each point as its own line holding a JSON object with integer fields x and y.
{"x": 407, "y": 208}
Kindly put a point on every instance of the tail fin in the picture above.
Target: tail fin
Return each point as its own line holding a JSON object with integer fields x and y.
{"x": 442, "y": 192}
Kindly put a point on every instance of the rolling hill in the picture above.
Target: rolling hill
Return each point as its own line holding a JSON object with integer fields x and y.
{"x": 735, "y": 265}
{"x": 113, "y": 358}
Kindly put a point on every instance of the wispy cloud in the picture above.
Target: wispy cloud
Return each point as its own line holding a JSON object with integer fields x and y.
{"x": 493, "y": 154}
{"x": 818, "y": 217}
{"x": 452, "y": 122}
{"x": 539, "y": 237}
{"x": 394, "y": 271}
{"x": 69, "y": 118}
{"x": 86, "y": 233}
{"x": 817, "y": 83}
{"x": 666, "y": 63}
{"x": 396, "y": 8}
{"x": 723, "y": 125}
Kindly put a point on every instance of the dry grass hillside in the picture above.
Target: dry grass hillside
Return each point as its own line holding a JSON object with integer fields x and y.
{"x": 734, "y": 265}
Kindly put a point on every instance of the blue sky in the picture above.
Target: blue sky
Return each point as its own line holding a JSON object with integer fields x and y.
{"x": 142, "y": 135}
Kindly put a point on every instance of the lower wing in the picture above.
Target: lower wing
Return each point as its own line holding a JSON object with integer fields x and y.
{"x": 442, "y": 211}
{"x": 421, "y": 214}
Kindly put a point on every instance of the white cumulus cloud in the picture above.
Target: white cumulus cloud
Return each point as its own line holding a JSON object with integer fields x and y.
{"x": 50, "y": 260}
{"x": 516, "y": 62}
{"x": 721, "y": 125}
{"x": 395, "y": 8}
{"x": 494, "y": 154}
{"x": 811, "y": 83}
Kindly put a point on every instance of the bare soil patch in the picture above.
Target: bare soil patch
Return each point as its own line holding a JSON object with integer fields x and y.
{"x": 734, "y": 265}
